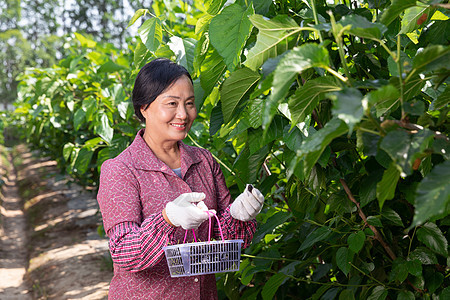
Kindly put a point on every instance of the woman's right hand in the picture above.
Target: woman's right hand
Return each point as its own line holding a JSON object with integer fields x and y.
{"x": 187, "y": 210}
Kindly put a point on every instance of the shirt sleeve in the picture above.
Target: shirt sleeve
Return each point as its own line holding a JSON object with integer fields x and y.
{"x": 232, "y": 229}
{"x": 135, "y": 248}
{"x": 235, "y": 229}
{"x": 135, "y": 244}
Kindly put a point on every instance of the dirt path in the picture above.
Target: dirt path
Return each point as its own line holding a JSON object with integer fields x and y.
{"x": 13, "y": 240}
{"x": 67, "y": 259}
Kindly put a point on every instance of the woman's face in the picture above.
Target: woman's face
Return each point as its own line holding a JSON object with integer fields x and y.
{"x": 170, "y": 116}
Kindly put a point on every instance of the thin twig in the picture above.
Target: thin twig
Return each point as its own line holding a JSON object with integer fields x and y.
{"x": 377, "y": 234}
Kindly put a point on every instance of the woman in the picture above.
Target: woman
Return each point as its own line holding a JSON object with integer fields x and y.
{"x": 159, "y": 187}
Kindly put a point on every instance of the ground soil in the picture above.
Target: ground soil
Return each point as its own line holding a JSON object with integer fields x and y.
{"x": 50, "y": 247}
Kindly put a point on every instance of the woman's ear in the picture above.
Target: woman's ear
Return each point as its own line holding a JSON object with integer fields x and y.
{"x": 143, "y": 110}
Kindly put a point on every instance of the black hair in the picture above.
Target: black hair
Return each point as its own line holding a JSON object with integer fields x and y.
{"x": 152, "y": 80}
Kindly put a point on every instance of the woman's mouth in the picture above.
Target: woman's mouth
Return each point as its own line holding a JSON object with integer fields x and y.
{"x": 178, "y": 125}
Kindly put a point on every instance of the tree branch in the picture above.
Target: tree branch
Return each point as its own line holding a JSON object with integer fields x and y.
{"x": 377, "y": 234}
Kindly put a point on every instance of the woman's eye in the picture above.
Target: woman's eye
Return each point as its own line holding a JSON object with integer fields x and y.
{"x": 190, "y": 103}
{"x": 172, "y": 103}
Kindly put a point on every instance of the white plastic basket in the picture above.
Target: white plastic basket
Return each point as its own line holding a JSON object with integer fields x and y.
{"x": 203, "y": 257}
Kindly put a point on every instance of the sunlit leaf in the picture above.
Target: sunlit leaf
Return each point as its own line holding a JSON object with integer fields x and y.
{"x": 234, "y": 88}
{"x": 395, "y": 9}
{"x": 78, "y": 118}
{"x": 151, "y": 33}
{"x": 306, "y": 97}
{"x": 139, "y": 13}
{"x": 411, "y": 17}
{"x": 104, "y": 130}
{"x": 431, "y": 58}
{"x": 211, "y": 70}
{"x": 228, "y": 32}
{"x": 361, "y": 27}
{"x": 271, "y": 40}
{"x": 295, "y": 61}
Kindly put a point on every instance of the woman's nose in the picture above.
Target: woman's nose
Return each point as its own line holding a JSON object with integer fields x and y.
{"x": 181, "y": 112}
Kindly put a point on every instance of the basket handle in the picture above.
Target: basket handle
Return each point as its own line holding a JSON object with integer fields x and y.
{"x": 209, "y": 230}
{"x": 218, "y": 223}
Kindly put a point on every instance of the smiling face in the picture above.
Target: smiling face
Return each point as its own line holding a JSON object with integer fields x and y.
{"x": 170, "y": 116}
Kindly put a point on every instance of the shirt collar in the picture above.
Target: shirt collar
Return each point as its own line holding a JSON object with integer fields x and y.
{"x": 145, "y": 159}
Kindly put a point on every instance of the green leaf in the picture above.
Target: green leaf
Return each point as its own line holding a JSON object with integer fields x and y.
{"x": 268, "y": 227}
{"x": 292, "y": 137}
{"x": 92, "y": 143}
{"x": 378, "y": 293}
{"x": 399, "y": 270}
{"x": 67, "y": 151}
{"x": 213, "y": 6}
{"x": 315, "y": 144}
{"x": 271, "y": 40}
{"x": 410, "y": 18}
{"x": 85, "y": 42}
{"x": 272, "y": 285}
{"x": 211, "y": 70}
{"x": 433, "y": 195}
{"x": 347, "y": 295}
{"x": 432, "y": 237}
{"x": 228, "y": 32}
{"x": 295, "y": 61}
{"x": 405, "y": 295}
{"x": 139, "y": 13}
{"x": 445, "y": 293}
{"x": 395, "y": 9}
{"x": 361, "y": 27}
{"x": 442, "y": 100}
{"x": 392, "y": 216}
{"x": 425, "y": 256}
{"x": 343, "y": 259}
{"x": 348, "y": 106}
{"x": 386, "y": 187}
{"x": 383, "y": 99}
{"x": 104, "y": 130}
{"x": 78, "y": 118}
{"x": 404, "y": 147}
{"x": 434, "y": 281}
{"x": 83, "y": 159}
{"x": 306, "y": 97}
{"x": 356, "y": 241}
{"x": 110, "y": 67}
{"x": 234, "y": 88}
{"x": 151, "y": 33}
{"x": 375, "y": 221}
{"x": 431, "y": 58}
{"x": 414, "y": 267}
{"x": 140, "y": 53}
{"x": 317, "y": 235}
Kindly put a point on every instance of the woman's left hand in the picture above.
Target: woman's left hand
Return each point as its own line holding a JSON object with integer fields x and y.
{"x": 247, "y": 205}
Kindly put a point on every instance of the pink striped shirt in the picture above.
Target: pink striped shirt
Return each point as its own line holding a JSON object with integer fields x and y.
{"x": 134, "y": 189}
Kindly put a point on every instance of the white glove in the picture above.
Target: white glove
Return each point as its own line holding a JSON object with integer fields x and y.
{"x": 188, "y": 210}
{"x": 247, "y": 205}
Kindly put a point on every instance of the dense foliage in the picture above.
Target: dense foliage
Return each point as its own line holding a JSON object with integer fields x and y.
{"x": 338, "y": 113}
